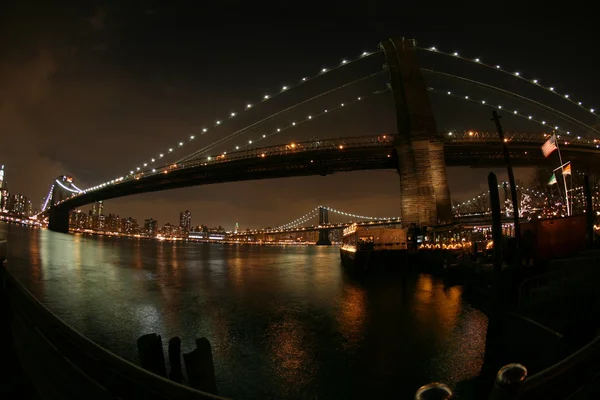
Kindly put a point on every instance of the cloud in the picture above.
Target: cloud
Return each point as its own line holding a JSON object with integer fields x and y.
{"x": 98, "y": 21}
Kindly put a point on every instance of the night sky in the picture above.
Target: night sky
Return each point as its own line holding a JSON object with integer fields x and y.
{"x": 94, "y": 91}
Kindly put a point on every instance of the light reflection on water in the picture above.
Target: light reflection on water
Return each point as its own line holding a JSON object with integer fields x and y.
{"x": 283, "y": 322}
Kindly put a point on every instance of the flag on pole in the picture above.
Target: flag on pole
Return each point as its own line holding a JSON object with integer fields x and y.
{"x": 567, "y": 169}
{"x": 549, "y": 146}
{"x": 552, "y": 180}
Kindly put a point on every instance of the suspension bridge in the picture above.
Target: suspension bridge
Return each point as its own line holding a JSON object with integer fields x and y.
{"x": 418, "y": 151}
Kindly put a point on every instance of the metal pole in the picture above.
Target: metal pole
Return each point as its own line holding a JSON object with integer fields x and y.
{"x": 589, "y": 211}
{"x": 511, "y": 176}
{"x": 564, "y": 179}
{"x": 434, "y": 391}
{"x": 496, "y": 229}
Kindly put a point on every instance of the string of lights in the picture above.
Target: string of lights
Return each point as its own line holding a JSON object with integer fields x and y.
{"x": 538, "y": 104}
{"x": 262, "y": 121}
{"x": 531, "y": 118}
{"x": 360, "y": 216}
{"x": 516, "y": 74}
{"x": 486, "y": 193}
{"x": 248, "y": 106}
{"x": 309, "y": 117}
{"x": 47, "y": 199}
{"x": 307, "y": 217}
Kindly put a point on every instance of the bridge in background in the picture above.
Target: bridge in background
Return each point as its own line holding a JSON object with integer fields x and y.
{"x": 419, "y": 152}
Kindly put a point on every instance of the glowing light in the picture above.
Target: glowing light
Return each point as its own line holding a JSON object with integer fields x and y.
{"x": 342, "y": 104}
{"x": 432, "y": 48}
{"x": 204, "y": 130}
{"x": 181, "y": 143}
{"x": 483, "y": 102}
{"x": 249, "y": 141}
{"x": 477, "y": 60}
{"x": 293, "y": 123}
{"x": 309, "y": 117}
{"x": 284, "y": 88}
{"x": 264, "y": 136}
{"x": 209, "y": 158}
{"x": 551, "y": 89}
{"x": 192, "y": 137}
{"x": 170, "y": 150}
{"x": 535, "y": 81}
{"x": 137, "y": 168}
{"x": 266, "y": 96}
{"x": 161, "y": 155}
{"x": 516, "y": 112}
{"x": 278, "y": 129}
{"x": 324, "y": 70}
{"x": 233, "y": 114}
{"x": 248, "y": 105}
{"x": 218, "y": 122}
{"x": 237, "y": 147}
{"x": 153, "y": 160}
{"x": 145, "y": 164}
{"x": 341, "y": 147}
{"x": 449, "y": 93}
{"x": 497, "y": 66}
{"x": 517, "y": 74}
{"x": 455, "y": 54}
{"x": 344, "y": 62}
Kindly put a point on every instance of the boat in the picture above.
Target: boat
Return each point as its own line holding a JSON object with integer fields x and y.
{"x": 368, "y": 249}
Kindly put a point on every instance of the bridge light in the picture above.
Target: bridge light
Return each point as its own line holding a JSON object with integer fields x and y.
{"x": 237, "y": 147}
{"x": 264, "y": 136}
{"x": 192, "y": 137}
{"x": 477, "y": 60}
{"x": 455, "y": 54}
{"x": 579, "y": 103}
{"x": 551, "y": 89}
{"x": 131, "y": 172}
{"x": 516, "y": 112}
{"x": 181, "y": 143}
{"x": 209, "y": 158}
{"x": 449, "y": 93}
{"x": 293, "y": 123}
{"x": 500, "y": 106}
{"x": 138, "y": 168}
{"x": 431, "y": 48}
{"x": 204, "y": 130}
{"x": 556, "y": 127}
{"x": 266, "y": 96}
{"x": 592, "y": 110}
{"x": 535, "y": 81}
{"x": 324, "y": 70}
{"x": 342, "y": 104}
{"x": 284, "y": 88}
{"x": 497, "y": 66}
{"x": 449, "y": 133}
{"x": 579, "y": 137}
{"x": 467, "y": 97}
{"x": 309, "y": 117}
{"x": 170, "y": 150}
{"x": 470, "y": 133}
{"x": 344, "y": 62}
{"x": 359, "y": 99}
{"x": 366, "y": 53}
{"x": 483, "y": 102}
{"x": 278, "y": 130}
{"x": 530, "y": 117}
{"x": 517, "y": 74}
{"x": 293, "y": 145}
{"x": 505, "y": 140}
{"x": 248, "y": 105}
{"x": 303, "y": 79}
{"x": 161, "y": 155}
{"x": 218, "y": 122}
{"x": 153, "y": 160}
{"x": 263, "y": 155}
{"x": 153, "y": 170}
{"x": 145, "y": 164}
{"x": 325, "y": 110}
{"x": 566, "y": 96}
{"x": 543, "y": 122}
{"x": 341, "y": 147}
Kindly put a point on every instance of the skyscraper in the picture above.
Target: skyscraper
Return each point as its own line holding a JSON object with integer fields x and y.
{"x": 150, "y": 227}
{"x": 97, "y": 208}
{"x": 1, "y": 177}
{"x": 185, "y": 221}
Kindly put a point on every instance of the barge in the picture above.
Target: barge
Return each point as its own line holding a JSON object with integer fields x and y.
{"x": 370, "y": 249}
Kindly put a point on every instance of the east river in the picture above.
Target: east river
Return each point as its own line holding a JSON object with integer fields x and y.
{"x": 284, "y": 322}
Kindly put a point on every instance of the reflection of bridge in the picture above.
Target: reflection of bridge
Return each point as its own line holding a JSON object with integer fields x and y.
{"x": 418, "y": 152}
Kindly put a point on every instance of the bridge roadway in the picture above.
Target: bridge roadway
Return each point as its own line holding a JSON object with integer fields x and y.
{"x": 324, "y": 157}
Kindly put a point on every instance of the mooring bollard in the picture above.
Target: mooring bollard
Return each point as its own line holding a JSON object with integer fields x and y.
{"x": 151, "y": 354}
{"x": 175, "y": 360}
{"x": 434, "y": 391}
{"x": 508, "y": 382}
{"x": 200, "y": 367}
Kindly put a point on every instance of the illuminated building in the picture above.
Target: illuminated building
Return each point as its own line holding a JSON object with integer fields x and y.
{"x": 97, "y": 208}
{"x": 185, "y": 221}
{"x": 2, "y": 184}
{"x": 150, "y": 227}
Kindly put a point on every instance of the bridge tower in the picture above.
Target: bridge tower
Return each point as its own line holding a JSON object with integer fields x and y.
{"x": 425, "y": 196}
{"x": 323, "y": 233}
{"x": 58, "y": 216}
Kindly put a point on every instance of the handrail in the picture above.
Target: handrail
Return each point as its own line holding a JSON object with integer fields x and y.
{"x": 562, "y": 366}
{"x": 165, "y": 388}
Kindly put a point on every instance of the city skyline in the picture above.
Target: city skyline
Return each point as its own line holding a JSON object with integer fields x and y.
{"x": 137, "y": 101}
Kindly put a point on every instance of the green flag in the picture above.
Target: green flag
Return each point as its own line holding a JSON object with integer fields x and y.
{"x": 552, "y": 180}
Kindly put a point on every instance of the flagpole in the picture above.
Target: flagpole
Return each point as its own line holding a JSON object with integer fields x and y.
{"x": 564, "y": 179}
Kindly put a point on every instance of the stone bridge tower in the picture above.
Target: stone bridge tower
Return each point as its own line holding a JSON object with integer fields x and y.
{"x": 425, "y": 196}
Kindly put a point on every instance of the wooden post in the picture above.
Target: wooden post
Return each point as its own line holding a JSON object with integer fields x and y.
{"x": 511, "y": 177}
{"x": 175, "y": 360}
{"x": 151, "y": 354}
{"x": 589, "y": 212}
{"x": 200, "y": 367}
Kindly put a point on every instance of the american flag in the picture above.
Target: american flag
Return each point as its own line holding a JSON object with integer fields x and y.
{"x": 549, "y": 146}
